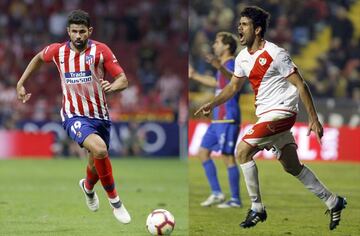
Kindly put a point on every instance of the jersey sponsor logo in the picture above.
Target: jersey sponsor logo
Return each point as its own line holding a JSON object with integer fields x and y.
{"x": 89, "y": 59}
{"x": 262, "y": 61}
{"x": 79, "y": 77}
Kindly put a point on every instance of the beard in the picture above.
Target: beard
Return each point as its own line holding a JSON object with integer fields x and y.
{"x": 79, "y": 44}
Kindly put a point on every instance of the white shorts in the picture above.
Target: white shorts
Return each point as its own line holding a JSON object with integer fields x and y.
{"x": 272, "y": 130}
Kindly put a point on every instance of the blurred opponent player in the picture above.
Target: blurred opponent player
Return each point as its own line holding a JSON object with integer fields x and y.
{"x": 224, "y": 129}
{"x": 82, "y": 65}
{"x": 277, "y": 85}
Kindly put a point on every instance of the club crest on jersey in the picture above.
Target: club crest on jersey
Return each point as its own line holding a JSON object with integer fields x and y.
{"x": 262, "y": 61}
{"x": 89, "y": 59}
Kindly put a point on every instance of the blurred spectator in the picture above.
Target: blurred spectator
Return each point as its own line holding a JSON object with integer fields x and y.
{"x": 133, "y": 140}
{"x": 170, "y": 87}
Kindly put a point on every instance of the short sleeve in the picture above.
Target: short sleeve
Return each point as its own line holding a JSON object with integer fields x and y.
{"x": 284, "y": 64}
{"x": 238, "y": 71}
{"x": 50, "y": 51}
{"x": 111, "y": 64}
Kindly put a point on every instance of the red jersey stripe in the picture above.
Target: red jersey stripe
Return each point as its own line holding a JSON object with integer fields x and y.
{"x": 257, "y": 73}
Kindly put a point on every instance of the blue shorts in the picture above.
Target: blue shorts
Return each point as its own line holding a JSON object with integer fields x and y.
{"x": 79, "y": 127}
{"x": 221, "y": 137}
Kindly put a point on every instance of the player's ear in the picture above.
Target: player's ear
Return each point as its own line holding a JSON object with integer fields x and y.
{"x": 90, "y": 30}
{"x": 68, "y": 30}
{"x": 258, "y": 30}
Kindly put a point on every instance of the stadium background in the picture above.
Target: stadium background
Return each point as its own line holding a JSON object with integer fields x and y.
{"x": 42, "y": 197}
{"x": 323, "y": 38}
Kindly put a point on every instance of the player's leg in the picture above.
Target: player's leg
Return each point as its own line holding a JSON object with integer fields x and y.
{"x": 98, "y": 149}
{"x": 210, "y": 142}
{"x": 87, "y": 185}
{"x": 208, "y": 164}
{"x": 234, "y": 182}
{"x": 290, "y": 161}
{"x": 92, "y": 176}
{"x": 244, "y": 155}
{"x": 228, "y": 135}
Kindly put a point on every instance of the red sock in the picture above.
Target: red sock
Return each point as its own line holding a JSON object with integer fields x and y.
{"x": 91, "y": 179}
{"x": 104, "y": 170}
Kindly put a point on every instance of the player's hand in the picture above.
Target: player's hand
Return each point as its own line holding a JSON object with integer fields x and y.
{"x": 22, "y": 95}
{"x": 213, "y": 60}
{"x": 317, "y": 128}
{"x": 106, "y": 85}
{"x": 204, "y": 109}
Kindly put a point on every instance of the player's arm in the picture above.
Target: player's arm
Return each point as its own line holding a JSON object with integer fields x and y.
{"x": 306, "y": 98}
{"x": 112, "y": 66}
{"x": 228, "y": 91}
{"x": 120, "y": 83}
{"x": 203, "y": 79}
{"x": 34, "y": 65}
{"x": 215, "y": 62}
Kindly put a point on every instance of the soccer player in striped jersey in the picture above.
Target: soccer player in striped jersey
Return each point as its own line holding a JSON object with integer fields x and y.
{"x": 82, "y": 64}
{"x": 277, "y": 85}
{"x": 224, "y": 129}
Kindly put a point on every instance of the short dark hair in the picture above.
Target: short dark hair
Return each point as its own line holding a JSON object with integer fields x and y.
{"x": 259, "y": 17}
{"x": 79, "y": 17}
{"x": 228, "y": 39}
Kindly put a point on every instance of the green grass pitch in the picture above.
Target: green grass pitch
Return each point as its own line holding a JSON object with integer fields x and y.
{"x": 292, "y": 210}
{"x": 42, "y": 197}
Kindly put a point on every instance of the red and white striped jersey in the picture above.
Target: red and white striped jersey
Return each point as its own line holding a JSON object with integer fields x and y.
{"x": 80, "y": 75}
{"x": 267, "y": 70}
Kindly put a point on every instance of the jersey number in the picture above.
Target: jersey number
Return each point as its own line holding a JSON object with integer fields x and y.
{"x": 76, "y": 126}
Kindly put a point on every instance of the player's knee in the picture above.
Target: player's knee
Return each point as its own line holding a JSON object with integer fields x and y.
{"x": 203, "y": 155}
{"x": 242, "y": 156}
{"x": 100, "y": 151}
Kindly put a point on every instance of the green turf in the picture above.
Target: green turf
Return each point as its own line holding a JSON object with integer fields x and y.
{"x": 42, "y": 197}
{"x": 292, "y": 210}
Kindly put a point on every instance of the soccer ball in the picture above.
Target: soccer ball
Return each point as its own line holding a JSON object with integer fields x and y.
{"x": 160, "y": 222}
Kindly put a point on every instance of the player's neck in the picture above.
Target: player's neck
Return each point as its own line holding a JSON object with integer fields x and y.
{"x": 257, "y": 45}
{"x": 76, "y": 49}
{"x": 224, "y": 58}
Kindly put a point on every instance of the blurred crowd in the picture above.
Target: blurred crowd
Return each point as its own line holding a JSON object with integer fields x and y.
{"x": 293, "y": 25}
{"x": 149, "y": 38}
